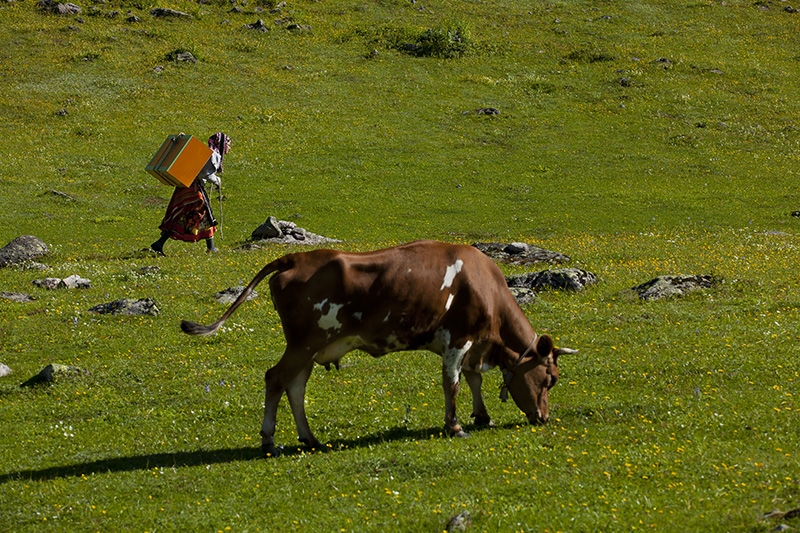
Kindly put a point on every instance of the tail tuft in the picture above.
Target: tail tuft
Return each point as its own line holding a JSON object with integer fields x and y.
{"x": 192, "y": 328}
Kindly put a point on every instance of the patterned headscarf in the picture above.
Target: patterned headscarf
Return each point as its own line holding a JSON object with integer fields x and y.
{"x": 217, "y": 141}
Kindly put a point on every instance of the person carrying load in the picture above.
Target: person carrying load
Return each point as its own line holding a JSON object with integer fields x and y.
{"x": 189, "y": 216}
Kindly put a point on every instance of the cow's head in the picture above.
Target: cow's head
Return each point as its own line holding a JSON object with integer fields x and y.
{"x": 533, "y": 378}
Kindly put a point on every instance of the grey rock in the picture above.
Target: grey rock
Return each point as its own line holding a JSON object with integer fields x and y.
{"x": 30, "y": 265}
{"x": 47, "y": 283}
{"x": 460, "y": 522}
{"x": 165, "y": 12}
{"x": 284, "y": 232}
{"x": 54, "y": 372}
{"x": 668, "y": 286}
{"x": 268, "y": 230}
{"x": 16, "y": 297}
{"x": 523, "y": 295}
{"x": 663, "y": 62}
{"x": 185, "y": 57}
{"x": 573, "y": 279}
{"x": 299, "y": 28}
{"x": 258, "y": 26}
{"x": 23, "y": 248}
{"x": 51, "y": 6}
{"x": 4, "y": 370}
{"x": 149, "y": 270}
{"x": 146, "y": 306}
{"x": 229, "y": 295}
{"x": 71, "y": 282}
{"x": 286, "y": 226}
{"x": 68, "y": 9}
{"x": 511, "y": 254}
{"x": 516, "y": 248}
{"x": 76, "y": 282}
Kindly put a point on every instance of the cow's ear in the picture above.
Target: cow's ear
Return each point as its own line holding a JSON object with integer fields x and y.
{"x": 544, "y": 346}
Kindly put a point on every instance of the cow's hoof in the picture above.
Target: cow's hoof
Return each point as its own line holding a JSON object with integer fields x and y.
{"x": 270, "y": 450}
{"x": 313, "y": 444}
{"x": 484, "y": 422}
{"x": 461, "y": 434}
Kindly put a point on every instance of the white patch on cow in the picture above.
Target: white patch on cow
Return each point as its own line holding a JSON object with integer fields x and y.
{"x": 450, "y": 274}
{"x": 358, "y": 315}
{"x": 386, "y": 318}
{"x": 328, "y": 321}
{"x": 452, "y": 357}
{"x": 449, "y": 302}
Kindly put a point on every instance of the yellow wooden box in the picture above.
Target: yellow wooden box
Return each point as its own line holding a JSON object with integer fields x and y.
{"x": 179, "y": 160}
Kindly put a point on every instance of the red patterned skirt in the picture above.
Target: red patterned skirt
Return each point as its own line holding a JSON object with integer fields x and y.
{"x": 189, "y": 217}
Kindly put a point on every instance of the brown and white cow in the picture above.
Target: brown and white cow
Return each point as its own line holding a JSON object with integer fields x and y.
{"x": 450, "y": 299}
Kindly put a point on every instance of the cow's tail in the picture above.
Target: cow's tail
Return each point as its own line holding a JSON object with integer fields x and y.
{"x": 193, "y": 328}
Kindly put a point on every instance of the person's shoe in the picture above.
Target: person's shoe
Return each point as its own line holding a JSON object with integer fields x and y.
{"x": 158, "y": 246}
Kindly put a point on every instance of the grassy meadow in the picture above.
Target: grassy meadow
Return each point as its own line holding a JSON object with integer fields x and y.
{"x": 639, "y": 138}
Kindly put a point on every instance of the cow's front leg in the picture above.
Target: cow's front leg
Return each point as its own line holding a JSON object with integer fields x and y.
{"x": 450, "y": 384}
{"x": 479, "y": 413}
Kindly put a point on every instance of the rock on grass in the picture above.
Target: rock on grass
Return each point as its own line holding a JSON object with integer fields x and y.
{"x": 668, "y": 286}
{"x": 54, "y": 372}
{"x": 127, "y": 306}
{"x": 23, "y": 248}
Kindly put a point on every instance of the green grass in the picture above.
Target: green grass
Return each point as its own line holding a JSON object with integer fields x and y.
{"x": 675, "y": 415}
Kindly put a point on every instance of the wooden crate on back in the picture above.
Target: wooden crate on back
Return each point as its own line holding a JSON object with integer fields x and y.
{"x": 179, "y": 160}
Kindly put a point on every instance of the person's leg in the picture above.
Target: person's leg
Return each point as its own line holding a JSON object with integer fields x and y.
{"x": 210, "y": 248}
{"x": 158, "y": 246}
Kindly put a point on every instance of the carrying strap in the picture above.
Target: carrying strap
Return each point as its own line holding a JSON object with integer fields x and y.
{"x": 222, "y": 140}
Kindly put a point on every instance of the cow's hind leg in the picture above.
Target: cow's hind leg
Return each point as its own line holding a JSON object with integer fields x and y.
{"x": 479, "y": 413}
{"x": 276, "y": 381}
{"x": 296, "y": 392}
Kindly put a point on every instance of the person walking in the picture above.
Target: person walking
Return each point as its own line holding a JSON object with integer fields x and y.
{"x": 189, "y": 216}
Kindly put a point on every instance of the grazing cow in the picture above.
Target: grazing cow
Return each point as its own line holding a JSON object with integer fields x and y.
{"x": 450, "y": 299}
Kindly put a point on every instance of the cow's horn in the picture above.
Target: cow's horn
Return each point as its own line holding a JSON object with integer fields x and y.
{"x": 562, "y": 351}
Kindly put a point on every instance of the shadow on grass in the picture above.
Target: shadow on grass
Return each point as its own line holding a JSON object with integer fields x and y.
{"x": 209, "y": 457}
{"x": 136, "y": 462}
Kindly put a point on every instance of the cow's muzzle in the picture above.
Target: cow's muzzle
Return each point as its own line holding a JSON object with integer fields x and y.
{"x": 537, "y": 419}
